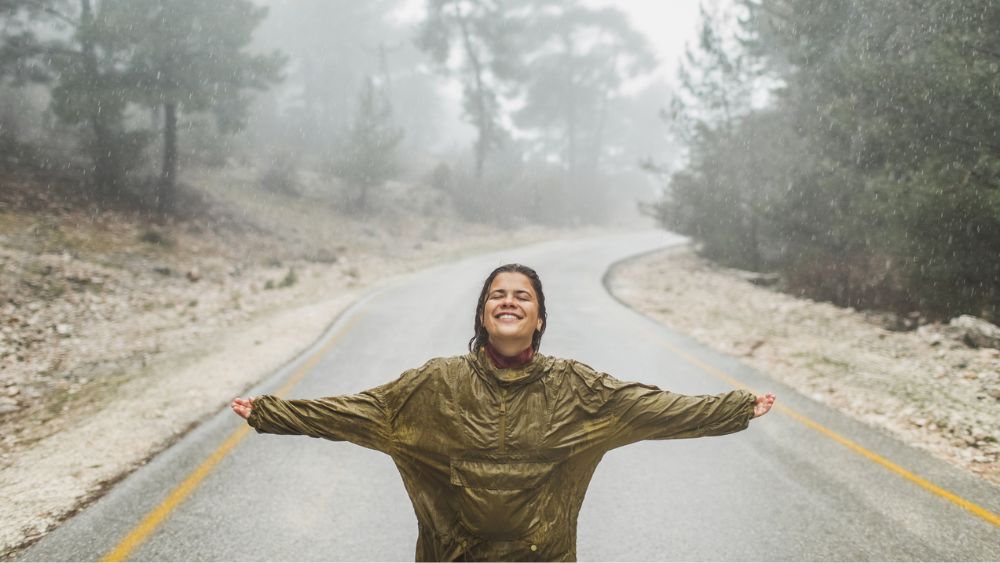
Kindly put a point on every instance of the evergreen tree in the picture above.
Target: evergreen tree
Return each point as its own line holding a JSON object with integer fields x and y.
{"x": 369, "y": 159}
{"x": 884, "y": 193}
{"x": 483, "y": 34}
{"x": 91, "y": 89}
{"x": 718, "y": 198}
{"x": 189, "y": 55}
{"x": 24, "y": 55}
{"x": 579, "y": 59}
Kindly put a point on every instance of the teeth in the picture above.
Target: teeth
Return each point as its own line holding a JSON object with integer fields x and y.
{"x": 506, "y": 316}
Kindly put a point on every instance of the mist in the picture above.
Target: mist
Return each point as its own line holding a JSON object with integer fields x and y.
{"x": 843, "y": 148}
{"x": 191, "y": 191}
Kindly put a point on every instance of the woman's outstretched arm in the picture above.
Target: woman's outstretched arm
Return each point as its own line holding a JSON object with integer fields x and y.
{"x": 360, "y": 418}
{"x": 637, "y": 411}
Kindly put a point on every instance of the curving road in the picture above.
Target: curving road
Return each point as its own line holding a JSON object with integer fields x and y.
{"x": 786, "y": 489}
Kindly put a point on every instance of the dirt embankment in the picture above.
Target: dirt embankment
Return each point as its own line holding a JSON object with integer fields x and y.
{"x": 924, "y": 386}
{"x": 119, "y": 330}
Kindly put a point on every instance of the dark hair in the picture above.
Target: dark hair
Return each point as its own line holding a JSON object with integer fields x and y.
{"x": 481, "y": 336}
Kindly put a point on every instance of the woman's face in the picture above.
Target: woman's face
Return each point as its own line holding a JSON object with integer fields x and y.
{"x": 511, "y": 310}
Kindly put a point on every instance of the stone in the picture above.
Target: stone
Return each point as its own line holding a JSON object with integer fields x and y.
{"x": 976, "y": 332}
{"x": 8, "y": 405}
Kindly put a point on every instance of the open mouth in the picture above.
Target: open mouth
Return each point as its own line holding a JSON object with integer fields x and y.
{"x": 506, "y": 316}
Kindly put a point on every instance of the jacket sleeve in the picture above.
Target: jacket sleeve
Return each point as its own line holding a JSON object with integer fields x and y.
{"x": 360, "y": 419}
{"x": 644, "y": 412}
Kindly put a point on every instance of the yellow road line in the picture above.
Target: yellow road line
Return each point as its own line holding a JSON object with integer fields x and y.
{"x": 849, "y": 444}
{"x": 141, "y": 532}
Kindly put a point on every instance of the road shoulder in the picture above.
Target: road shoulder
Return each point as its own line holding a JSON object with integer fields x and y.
{"x": 928, "y": 391}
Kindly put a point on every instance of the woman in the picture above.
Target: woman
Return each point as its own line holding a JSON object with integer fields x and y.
{"x": 497, "y": 447}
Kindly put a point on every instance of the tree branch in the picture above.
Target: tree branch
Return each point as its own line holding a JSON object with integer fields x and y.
{"x": 60, "y": 16}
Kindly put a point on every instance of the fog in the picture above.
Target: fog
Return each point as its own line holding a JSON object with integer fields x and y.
{"x": 192, "y": 190}
{"x": 845, "y": 147}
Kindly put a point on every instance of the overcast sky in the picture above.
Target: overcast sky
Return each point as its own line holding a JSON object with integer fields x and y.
{"x": 669, "y": 24}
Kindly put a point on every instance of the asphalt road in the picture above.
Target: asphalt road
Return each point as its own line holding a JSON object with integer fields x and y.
{"x": 782, "y": 490}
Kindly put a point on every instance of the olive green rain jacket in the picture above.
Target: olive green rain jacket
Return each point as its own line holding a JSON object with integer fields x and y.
{"x": 497, "y": 461}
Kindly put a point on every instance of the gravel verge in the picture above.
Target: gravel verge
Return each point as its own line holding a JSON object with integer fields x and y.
{"x": 924, "y": 386}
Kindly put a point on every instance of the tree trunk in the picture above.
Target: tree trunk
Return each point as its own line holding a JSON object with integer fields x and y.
{"x": 483, "y": 121}
{"x": 168, "y": 178}
{"x": 107, "y": 175}
{"x": 755, "y": 259}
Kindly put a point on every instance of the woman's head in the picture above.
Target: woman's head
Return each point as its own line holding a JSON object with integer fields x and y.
{"x": 511, "y": 306}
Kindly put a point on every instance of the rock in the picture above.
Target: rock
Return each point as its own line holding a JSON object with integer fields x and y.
{"x": 324, "y": 256}
{"x": 163, "y": 270}
{"x": 8, "y": 405}
{"x": 63, "y": 329}
{"x": 893, "y": 322}
{"x": 931, "y": 334}
{"x": 13, "y": 391}
{"x": 762, "y": 279}
{"x": 193, "y": 275}
{"x": 976, "y": 332}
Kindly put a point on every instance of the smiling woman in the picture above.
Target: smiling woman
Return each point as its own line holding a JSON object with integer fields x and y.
{"x": 497, "y": 447}
{"x": 510, "y": 317}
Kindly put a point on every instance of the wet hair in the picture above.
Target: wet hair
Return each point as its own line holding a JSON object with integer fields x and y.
{"x": 481, "y": 336}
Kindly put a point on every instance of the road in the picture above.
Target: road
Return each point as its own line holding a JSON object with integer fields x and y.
{"x": 786, "y": 489}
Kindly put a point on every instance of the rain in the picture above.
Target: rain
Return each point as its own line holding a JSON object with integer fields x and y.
{"x": 185, "y": 181}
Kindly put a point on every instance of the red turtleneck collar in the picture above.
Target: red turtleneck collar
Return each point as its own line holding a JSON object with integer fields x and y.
{"x": 506, "y": 362}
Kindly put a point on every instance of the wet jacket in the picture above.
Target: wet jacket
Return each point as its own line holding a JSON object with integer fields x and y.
{"x": 497, "y": 461}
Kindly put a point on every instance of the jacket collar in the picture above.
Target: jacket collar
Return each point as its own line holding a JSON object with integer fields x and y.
{"x": 500, "y": 361}
{"x": 531, "y": 371}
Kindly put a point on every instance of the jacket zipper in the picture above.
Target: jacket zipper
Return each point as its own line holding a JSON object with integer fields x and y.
{"x": 503, "y": 419}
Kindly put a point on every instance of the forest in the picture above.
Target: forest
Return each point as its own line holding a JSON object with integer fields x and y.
{"x": 848, "y": 146}
{"x": 129, "y": 90}
{"x": 868, "y": 175}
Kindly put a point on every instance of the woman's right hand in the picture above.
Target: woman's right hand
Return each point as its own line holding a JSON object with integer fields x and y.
{"x": 242, "y": 407}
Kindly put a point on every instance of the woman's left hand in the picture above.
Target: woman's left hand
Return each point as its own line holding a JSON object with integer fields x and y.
{"x": 763, "y": 404}
{"x": 242, "y": 407}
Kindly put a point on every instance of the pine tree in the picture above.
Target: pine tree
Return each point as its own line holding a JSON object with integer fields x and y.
{"x": 483, "y": 36}
{"x": 190, "y": 55}
{"x": 579, "y": 59}
{"x": 369, "y": 159}
{"x": 91, "y": 89}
